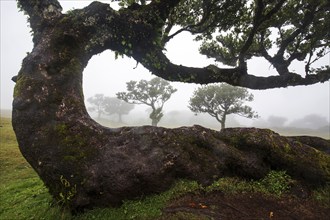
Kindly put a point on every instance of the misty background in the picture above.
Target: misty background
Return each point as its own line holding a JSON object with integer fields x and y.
{"x": 291, "y": 111}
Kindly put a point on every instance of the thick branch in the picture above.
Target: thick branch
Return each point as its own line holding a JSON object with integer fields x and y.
{"x": 159, "y": 65}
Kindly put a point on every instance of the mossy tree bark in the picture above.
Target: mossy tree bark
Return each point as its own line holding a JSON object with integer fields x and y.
{"x": 84, "y": 164}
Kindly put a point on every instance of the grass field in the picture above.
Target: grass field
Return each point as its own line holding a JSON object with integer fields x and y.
{"x": 23, "y": 195}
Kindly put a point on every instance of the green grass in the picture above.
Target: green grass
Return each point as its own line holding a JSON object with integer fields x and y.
{"x": 24, "y": 196}
{"x": 322, "y": 195}
{"x": 275, "y": 183}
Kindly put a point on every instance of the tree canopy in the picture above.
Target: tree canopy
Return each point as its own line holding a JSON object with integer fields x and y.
{"x": 220, "y": 101}
{"x": 231, "y": 32}
{"x": 98, "y": 102}
{"x": 117, "y": 106}
{"x": 109, "y": 105}
{"x": 153, "y": 93}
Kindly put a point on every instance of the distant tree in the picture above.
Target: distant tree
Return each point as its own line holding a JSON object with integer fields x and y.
{"x": 312, "y": 121}
{"x": 276, "y": 121}
{"x": 113, "y": 105}
{"x": 220, "y": 101}
{"x": 153, "y": 93}
{"x": 98, "y": 104}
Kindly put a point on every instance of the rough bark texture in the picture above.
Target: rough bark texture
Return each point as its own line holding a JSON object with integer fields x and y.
{"x": 86, "y": 165}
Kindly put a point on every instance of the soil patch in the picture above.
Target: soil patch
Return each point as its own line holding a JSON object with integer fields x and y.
{"x": 218, "y": 205}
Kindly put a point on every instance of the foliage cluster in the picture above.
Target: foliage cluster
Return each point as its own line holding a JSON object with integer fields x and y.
{"x": 153, "y": 93}
{"x": 222, "y": 100}
{"x": 246, "y": 29}
{"x": 109, "y": 105}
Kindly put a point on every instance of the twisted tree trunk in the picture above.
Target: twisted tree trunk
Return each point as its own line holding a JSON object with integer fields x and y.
{"x": 84, "y": 164}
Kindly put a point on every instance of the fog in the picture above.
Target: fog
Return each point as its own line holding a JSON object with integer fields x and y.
{"x": 305, "y": 107}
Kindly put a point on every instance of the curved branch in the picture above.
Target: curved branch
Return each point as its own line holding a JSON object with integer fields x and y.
{"x": 168, "y": 38}
{"x": 161, "y": 66}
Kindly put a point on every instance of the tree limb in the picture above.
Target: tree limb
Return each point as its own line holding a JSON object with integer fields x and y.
{"x": 212, "y": 74}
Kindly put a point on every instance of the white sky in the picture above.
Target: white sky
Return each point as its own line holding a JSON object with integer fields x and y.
{"x": 106, "y": 75}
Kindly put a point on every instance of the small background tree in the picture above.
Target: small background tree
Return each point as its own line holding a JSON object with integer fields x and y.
{"x": 220, "y": 101}
{"x": 113, "y": 105}
{"x": 276, "y": 121}
{"x": 98, "y": 104}
{"x": 153, "y": 93}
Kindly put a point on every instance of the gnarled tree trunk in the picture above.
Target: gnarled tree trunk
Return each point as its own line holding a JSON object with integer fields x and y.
{"x": 84, "y": 164}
